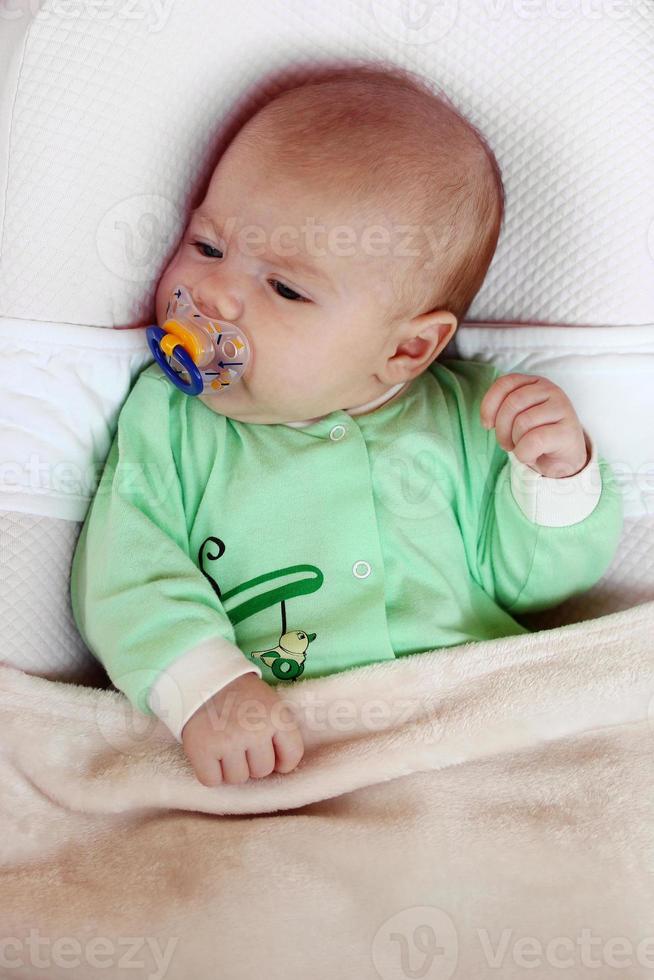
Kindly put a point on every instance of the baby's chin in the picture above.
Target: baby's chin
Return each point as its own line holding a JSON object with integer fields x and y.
{"x": 233, "y": 408}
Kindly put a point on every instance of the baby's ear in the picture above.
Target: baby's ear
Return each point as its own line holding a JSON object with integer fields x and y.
{"x": 441, "y": 321}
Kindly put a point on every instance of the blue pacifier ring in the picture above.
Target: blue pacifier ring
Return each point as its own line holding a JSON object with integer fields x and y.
{"x": 195, "y": 384}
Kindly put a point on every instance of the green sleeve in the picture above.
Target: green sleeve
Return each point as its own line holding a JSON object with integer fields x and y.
{"x": 138, "y": 599}
{"x": 522, "y": 565}
{"x": 528, "y": 567}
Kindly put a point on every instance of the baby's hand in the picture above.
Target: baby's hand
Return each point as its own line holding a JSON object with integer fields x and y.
{"x": 234, "y": 735}
{"x": 535, "y": 419}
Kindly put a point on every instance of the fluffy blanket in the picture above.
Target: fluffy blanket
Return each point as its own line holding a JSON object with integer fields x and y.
{"x": 481, "y": 811}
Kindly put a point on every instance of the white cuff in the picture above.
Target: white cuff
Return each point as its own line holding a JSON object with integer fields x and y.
{"x": 554, "y": 502}
{"x": 193, "y": 678}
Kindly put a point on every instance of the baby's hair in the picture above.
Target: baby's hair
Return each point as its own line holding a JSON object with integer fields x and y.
{"x": 375, "y": 132}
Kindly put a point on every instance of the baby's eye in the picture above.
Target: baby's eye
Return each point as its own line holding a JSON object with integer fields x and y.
{"x": 286, "y": 292}
{"x": 201, "y": 245}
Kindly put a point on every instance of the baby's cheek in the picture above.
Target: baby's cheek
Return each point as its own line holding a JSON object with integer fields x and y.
{"x": 166, "y": 285}
{"x": 161, "y": 301}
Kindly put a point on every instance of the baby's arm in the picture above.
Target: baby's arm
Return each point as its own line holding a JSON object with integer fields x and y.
{"x": 541, "y": 539}
{"x": 531, "y": 540}
{"x": 141, "y": 604}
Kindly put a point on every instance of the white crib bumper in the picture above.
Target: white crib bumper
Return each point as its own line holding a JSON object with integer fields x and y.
{"x": 62, "y": 388}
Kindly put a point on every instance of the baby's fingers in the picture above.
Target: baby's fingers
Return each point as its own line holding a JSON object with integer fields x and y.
{"x": 498, "y": 392}
{"x": 511, "y": 428}
{"x": 261, "y": 759}
{"x": 206, "y": 767}
{"x": 235, "y": 767}
{"x": 546, "y": 439}
{"x": 289, "y": 749}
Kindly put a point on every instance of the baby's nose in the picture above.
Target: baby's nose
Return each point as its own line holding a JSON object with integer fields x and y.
{"x": 217, "y": 304}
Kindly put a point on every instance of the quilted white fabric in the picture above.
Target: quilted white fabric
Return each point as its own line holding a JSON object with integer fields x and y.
{"x": 39, "y": 633}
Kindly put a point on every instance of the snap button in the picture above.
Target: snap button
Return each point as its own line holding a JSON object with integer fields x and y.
{"x": 361, "y": 569}
{"x": 337, "y": 432}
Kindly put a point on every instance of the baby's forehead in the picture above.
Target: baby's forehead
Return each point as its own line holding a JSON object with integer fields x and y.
{"x": 327, "y": 216}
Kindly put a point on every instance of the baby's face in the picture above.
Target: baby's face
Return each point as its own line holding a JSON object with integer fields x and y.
{"x": 305, "y": 282}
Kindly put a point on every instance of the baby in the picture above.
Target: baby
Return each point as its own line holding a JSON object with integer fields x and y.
{"x": 349, "y": 499}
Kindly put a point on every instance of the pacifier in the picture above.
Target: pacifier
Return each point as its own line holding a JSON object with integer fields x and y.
{"x": 197, "y": 354}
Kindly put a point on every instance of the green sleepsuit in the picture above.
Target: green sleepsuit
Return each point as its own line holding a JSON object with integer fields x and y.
{"x": 215, "y": 547}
